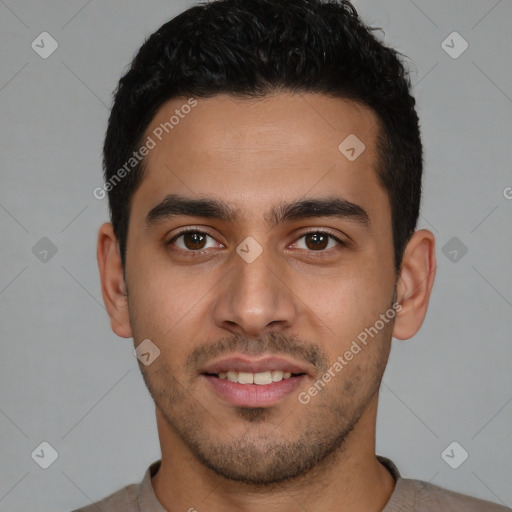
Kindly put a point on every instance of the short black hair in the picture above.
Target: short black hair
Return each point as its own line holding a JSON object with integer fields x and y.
{"x": 253, "y": 48}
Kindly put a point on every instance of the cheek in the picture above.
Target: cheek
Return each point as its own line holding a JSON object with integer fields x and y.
{"x": 349, "y": 305}
{"x": 164, "y": 301}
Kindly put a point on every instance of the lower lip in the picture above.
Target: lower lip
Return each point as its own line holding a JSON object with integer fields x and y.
{"x": 254, "y": 395}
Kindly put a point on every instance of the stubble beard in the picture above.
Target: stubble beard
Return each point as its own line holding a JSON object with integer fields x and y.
{"x": 264, "y": 454}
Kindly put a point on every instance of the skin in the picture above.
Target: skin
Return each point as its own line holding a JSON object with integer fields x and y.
{"x": 305, "y": 302}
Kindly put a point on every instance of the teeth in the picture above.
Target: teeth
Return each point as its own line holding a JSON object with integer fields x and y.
{"x": 245, "y": 378}
{"x": 261, "y": 378}
{"x": 277, "y": 375}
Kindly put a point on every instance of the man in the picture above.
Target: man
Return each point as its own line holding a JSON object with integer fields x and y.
{"x": 263, "y": 163}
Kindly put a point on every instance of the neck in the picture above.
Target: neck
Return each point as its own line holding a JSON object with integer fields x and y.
{"x": 349, "y": 480}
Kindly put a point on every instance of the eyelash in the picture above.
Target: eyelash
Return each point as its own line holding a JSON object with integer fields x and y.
{"x": 201, "y": 252}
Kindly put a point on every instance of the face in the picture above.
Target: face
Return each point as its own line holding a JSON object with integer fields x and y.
{"x": 256, "y": 248}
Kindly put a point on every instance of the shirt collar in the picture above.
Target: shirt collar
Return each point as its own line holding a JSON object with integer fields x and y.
{"x": 148, "y": 502}
{"x": 146, "y": 498}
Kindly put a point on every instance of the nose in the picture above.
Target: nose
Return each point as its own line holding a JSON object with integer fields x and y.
{"x": 255, "y": 298}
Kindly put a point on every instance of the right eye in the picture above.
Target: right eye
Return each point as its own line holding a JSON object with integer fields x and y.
{"x": 193, "y": 240}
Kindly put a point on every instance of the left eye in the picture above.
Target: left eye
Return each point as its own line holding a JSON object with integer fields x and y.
{"x": 317, "y": 241}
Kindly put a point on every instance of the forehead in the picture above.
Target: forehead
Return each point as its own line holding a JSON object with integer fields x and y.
{"x": 250, "y": 152}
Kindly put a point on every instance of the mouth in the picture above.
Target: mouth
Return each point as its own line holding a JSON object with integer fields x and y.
{"x": 254, "y": 383}
{"x": 260, "y": 378}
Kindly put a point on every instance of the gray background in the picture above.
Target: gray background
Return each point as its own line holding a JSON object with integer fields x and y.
{"x": 66, "y": 379}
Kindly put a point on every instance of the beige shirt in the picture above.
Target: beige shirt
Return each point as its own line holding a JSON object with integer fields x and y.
{"x": 409, "y": 495}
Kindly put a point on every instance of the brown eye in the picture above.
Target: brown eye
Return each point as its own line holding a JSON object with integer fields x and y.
{"x": 193, "y": 241}
{"x": 317, "y": 241}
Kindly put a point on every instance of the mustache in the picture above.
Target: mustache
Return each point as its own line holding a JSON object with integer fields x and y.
{"x": 272, "y": 343}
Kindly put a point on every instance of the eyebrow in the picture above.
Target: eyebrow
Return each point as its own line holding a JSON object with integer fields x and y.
{"x": 174, "y": 205}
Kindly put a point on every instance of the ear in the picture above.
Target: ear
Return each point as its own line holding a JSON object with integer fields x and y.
{"x": 113, "y": 286}
{"x": 414, "y": 285}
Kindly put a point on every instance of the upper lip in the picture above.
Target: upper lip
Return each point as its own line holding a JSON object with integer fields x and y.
{"x": 242, "y": 363}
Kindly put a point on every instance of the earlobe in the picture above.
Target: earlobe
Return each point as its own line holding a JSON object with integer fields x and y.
{"x": 113, "y": 286}
{"x": 415, "y": 282}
